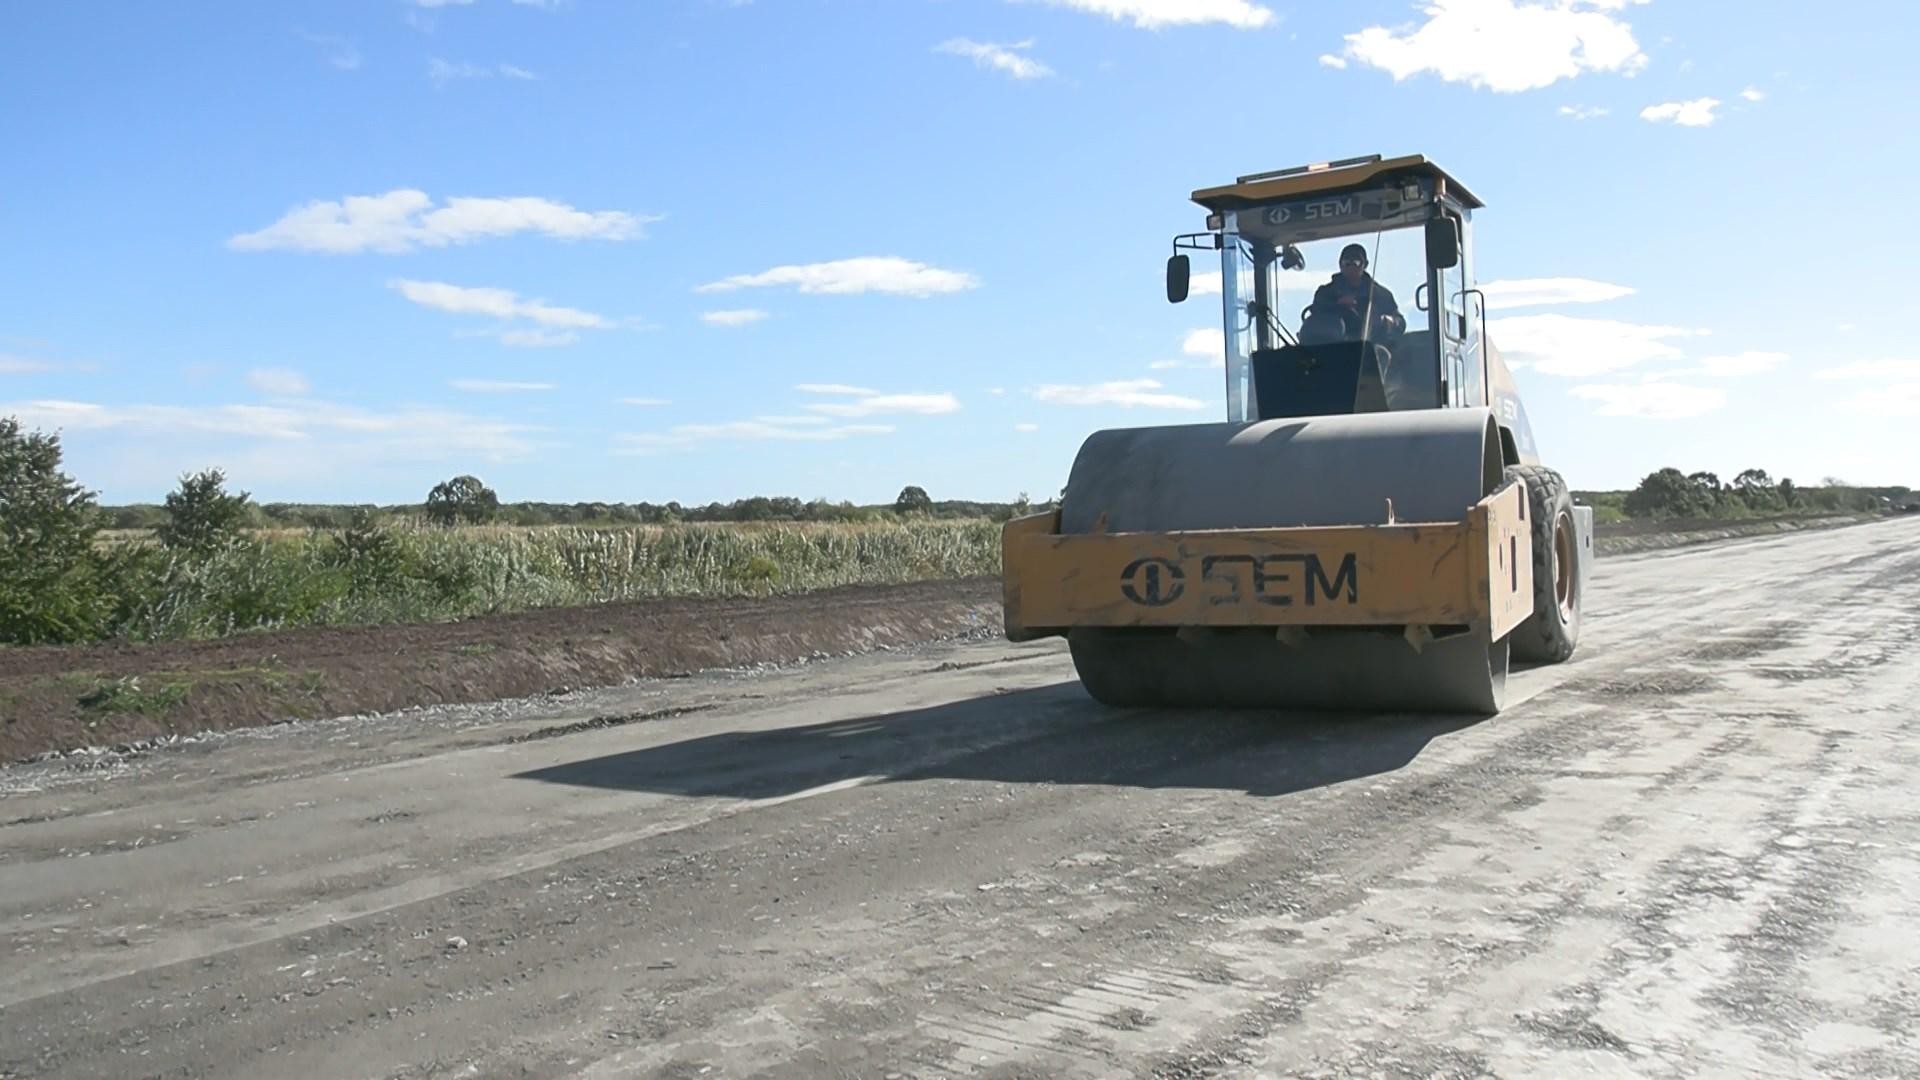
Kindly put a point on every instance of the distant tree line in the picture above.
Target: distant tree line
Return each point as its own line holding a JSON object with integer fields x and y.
{"x": 465, "y": 500}
{"x": 1669, "y": 494}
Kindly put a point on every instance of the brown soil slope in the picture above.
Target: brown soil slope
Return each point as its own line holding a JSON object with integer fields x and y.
{"x": 61, "y": 698}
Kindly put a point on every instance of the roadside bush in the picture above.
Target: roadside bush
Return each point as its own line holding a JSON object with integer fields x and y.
{"x": 50, "y": 590}
{"x": 1668, "y": 493}
{"x": 201, "y": 515}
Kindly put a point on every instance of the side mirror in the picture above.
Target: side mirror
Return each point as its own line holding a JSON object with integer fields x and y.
{"x": 1443, "y": 243}
{"x": 1178, "y": 271}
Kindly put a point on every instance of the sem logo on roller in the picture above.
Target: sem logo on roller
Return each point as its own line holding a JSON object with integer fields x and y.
{"x": 1153, "y": 581}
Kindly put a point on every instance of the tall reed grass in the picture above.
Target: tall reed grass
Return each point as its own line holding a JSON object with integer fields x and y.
{"x": 412, "y": 573}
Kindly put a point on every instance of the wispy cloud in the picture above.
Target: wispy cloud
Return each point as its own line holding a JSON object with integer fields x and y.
{"x": 337, "y": 51}
{"x": 835, "y": 388}
{"x": 1753, "y": 93}
{"x": 497, "y": 303}
{"x": 645, "y": 402}
{"x": 1507, "y": 46}
{"x": 1576, "y": 347}
{"x": 279, "y": 382}
{"x": 1584, "y": 112}
{"x": 538, "y": 339}
{"x": 736, "y": 317}
{"x": 1886, "y": 370}
{"x": 491, "y": 386}
{"x": 1337, "y": 63}
{"x": 871, "y": 402}
{"x": 1026, "y": 429}
{"x": 1542, "y": 292}
{"x": 1742, "y": 364}
{"x": 1900, "y": 400}
{"x": 1129, "y": 393}
{"x": 684, "y": 436}
{"x": 406, "y": 220}
{"x": 884, "y": 274}
{"x": 316, "y": 428}
{"x": 1206, "y": 348}
{"x": 1695, "y": 113}
{"x": 1159, "y": 14}
{"x": 442, "y": 72}
{"x": 1006, "y": 58}
{"x": 1652, "y": 401}
{"x": 21, "y": 365}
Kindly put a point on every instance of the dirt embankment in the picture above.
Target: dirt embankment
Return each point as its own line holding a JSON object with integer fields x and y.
{"x": 1629, "y": 537}
{"x": 102, "y": 695}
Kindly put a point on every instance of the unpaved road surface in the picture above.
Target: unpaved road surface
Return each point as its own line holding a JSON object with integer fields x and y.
{"x": 1693, "y": 851}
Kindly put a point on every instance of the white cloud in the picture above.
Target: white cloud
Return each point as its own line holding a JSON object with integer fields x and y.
{"x": 738, "y": 317}
{"x": 869, "y": 402}
{"x": 1204, "y": 283}
{"x": 1695, "y": 113}
{"x": 998, "y": 391}
{"x": 998, "y": 57}
{"x": 645, "y": 402}
{"x": 490, "y": 386}
{"x": 850, "y": 276}
{"x": 441, "y": 72}
{"x": 1503, "y": 45}
{"x": 538, "y": 339}
{"x": 498, "y": 303}
{"x": 1746, "y": 363}
{"x": 1026, "y": 428}
{"x": 1901, "y": 400}
{"x": 405, "y": 220}
{"x": 1652, "y": 401}
{"x": 337, "y": 51}
{"x": 1564, "y": 345}
{"x": 686, "y": 435}
{"x": 280, "y": 382}
{"x": 1753, "y": 93}
{"x": 314, "y": 428}
{"x": 1337, "y": 63}
{"x": 793, "y": 420}
{"x": 1156, "y": 14}
{"x": 835, "y": 388}
{"x": 441, "y": 3}
{"x": 1584, "y": 112}
{"x": 20, "y": 365}
{"x": 1125, "y": 393}
{"x": 1207, "y": 347}
{"x": 1541, "y": 292}
{"x": 872, "y": 404}
{"x": 1887, "y": 370}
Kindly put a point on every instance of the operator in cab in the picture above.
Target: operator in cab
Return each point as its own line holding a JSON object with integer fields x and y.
{"x": 1343, "y": 306}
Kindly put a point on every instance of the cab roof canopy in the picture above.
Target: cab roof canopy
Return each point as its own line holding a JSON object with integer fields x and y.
{"x": 1329, "y": 178}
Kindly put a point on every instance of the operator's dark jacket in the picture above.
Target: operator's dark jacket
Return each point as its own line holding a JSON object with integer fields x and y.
{"x": 1326, "y": 299}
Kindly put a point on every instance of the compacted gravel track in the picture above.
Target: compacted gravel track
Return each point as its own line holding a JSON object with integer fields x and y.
{"x": 1689, "y": 852}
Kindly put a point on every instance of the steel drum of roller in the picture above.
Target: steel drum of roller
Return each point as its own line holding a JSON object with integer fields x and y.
{"x": 1428, "y": 466}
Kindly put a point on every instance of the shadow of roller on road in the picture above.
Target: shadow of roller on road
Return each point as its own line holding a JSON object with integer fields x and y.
{"x": 1046, "y": 735}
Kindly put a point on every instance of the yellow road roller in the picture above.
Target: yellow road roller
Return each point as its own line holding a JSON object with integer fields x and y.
{"x": 1370, "y": 528}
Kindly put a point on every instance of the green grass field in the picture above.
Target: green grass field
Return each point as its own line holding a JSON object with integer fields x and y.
{"x": 408, "y": 573}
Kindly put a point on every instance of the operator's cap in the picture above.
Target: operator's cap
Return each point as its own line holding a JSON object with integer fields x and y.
{"x": 1354, "y": 251}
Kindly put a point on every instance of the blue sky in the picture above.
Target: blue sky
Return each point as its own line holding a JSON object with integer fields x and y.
{"x": 706, "y": 249}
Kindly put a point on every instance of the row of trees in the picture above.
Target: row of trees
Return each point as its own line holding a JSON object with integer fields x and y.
{"x": 1668, "y": 494}
{"x": 466, "y": 500}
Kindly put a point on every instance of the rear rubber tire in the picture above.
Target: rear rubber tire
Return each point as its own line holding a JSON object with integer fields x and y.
{"x": 1552, "y": 632}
